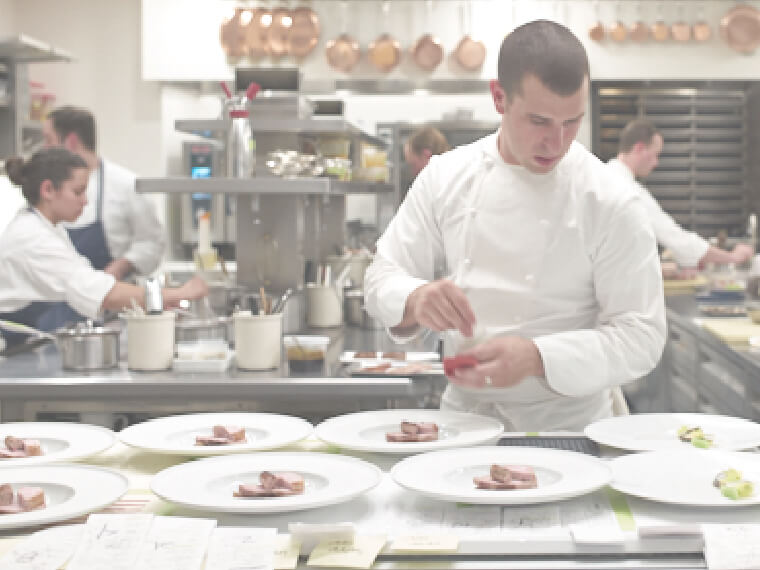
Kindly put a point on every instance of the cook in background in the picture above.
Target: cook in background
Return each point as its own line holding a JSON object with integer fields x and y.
{"x": 421, "y": 145}
{"x": 638, "y": 153}
{"x": 555, "y": 285}
{"x": 41, "y": 270}
{"x": 119, "y": 231}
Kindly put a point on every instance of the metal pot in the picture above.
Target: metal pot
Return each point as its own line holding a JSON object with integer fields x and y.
{"x": 356, "y": 315}
{"x": 87, "y": 347}
{"x": 191, "y": 330}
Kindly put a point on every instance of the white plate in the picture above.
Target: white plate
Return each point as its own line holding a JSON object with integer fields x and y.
{"x": 176, "y": 434}
{"x": 350, "y": 356}
{"x": 60, "y": 441}
{"x": 655, "y": 432}
{"x": 70, "y": 491}
{"x": 208, "y": 484}
{"x": 365, "y": 431}
{"x": 684, "y": 477}
{"x": 448, "y": 475}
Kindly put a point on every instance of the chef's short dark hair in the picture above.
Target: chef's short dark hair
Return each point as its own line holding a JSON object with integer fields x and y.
{"x": 81, "y": 122}
{"x": 547, "y": 50}
{"x": 637, "y": 131}
{"x": 54, "y": 164}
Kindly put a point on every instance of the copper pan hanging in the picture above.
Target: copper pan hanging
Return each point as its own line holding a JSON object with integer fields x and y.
{"x": 680, "y": 30}
{"x": 660, "y": 30}
{"x": 304, "y": 32}
{"x": 232, "y": 35}
{"x": 257, "y": 33}
{"x": 597, "y": 31}
{"x": 385, "y": 52}
{"x": 279, "y": 32}
{"x": 618, "y": 31}
{"x": 638, "y": 32}
{"x": 469, "y": 53}
{"x": 740, "y": 28}
{"x": 427, "y": 51}
{"x": 343, "y": 52}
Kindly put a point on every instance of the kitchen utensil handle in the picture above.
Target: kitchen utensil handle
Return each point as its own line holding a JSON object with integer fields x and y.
{"x": 226, "y": 89}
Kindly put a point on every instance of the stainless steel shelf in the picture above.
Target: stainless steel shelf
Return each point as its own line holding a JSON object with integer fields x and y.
{"x": 217, "y": 128}
{"x": 23, "y": 49}
{"x": 259, "y": 185}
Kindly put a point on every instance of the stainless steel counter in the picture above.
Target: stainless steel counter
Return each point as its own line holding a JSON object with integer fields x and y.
{"x": 35, "y": 383}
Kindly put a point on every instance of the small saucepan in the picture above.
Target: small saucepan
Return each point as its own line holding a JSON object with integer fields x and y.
{"x": 85, "y": 346}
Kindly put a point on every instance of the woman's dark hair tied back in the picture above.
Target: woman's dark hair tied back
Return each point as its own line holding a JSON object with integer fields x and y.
{"x": 54, "y": 164}
{"x": 14, "y": 167}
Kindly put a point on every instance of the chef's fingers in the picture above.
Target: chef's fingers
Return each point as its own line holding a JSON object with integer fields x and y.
{"x": 467, "y": 377}
{"x": 454, "y": 316}
{"x": 433, "y": 319}
{"x": 461, "y": 304}
{"x": 486, "y": 351}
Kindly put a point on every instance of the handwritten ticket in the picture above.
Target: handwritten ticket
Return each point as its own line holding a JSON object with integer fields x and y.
{"x": 175, "y": 543}
{"x": 111, "y": 542}
{"x": 357, "y": 553}
{"x": 47, "y": 549}
{"x": 286, "y": 550}
{"x": 241, "y": 548}
{"x": 428, "y": 543}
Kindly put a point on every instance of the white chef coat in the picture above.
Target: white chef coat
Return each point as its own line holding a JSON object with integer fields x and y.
{"x": 129, "y": 219}
{"x": 687, "y": 247}
{"x": 564, "y": 258}
{"x": 38, "y": 262}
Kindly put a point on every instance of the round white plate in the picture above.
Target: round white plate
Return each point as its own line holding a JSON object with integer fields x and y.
{"x": 176, "y": 434}
{"x": 365, "y": 431}
{"x": 684, "y": 477}
{"x": 656, "y": 432}
{"x": 448, "y": 475}
{"x": 208, "y": 484}
{"x": 70, "y": 491}
{"x": 60, "y": 441}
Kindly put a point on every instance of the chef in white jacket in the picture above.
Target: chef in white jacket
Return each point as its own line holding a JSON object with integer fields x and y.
{"x": 639, "y": 150}
{"x": 554, "y": 284}
{"x": 42, "y": 273}
{"x": 118, "y": 231}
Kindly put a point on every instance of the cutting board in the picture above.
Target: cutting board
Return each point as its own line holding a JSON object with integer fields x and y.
{"x": 732, "y": 331}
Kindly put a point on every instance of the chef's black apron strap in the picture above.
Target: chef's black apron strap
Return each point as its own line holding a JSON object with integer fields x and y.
{"x": 90, "y": 240}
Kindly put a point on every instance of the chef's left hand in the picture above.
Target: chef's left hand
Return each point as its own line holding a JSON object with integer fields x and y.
{"x": 119, "y": 268}
{"x": 505, "y": 360}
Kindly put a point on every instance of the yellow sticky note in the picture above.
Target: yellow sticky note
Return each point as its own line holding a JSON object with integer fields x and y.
{"x": 439, "y": 543}
{"x": 285, "y": 552}
{"x": 357, "y": 553}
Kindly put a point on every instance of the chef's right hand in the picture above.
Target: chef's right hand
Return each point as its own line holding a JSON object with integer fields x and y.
{"x": 439, "y": 305}
{"x": 194, "y": 288}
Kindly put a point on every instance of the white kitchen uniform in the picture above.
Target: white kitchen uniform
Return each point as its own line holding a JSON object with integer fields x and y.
{"x": 564, "y": 258}
{"x": 687, "y": 247}
{"x": 39, "y": 263}
{"x": 131, "y": 225}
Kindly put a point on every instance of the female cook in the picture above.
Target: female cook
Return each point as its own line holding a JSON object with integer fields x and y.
{"x": 42, "y": 277}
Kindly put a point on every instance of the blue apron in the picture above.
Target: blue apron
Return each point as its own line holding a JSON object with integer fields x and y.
{"x": 90, "y": 240}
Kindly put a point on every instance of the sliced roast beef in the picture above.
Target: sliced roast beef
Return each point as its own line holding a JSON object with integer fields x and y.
{"x": 32, "y": 447}
{"x": 14, "y": 443}
{"x": 7, "y": 454}
{"x": 31, "y": 498}
{"x": 232, "y": 433}
{"x": 508, "y": 477}
{"x": 6, "y": 494}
